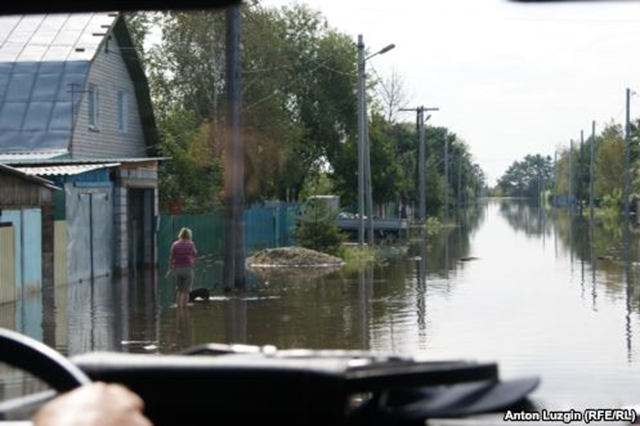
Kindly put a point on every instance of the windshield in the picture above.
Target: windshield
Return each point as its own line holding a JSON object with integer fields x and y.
{"x": 452, "y": 180}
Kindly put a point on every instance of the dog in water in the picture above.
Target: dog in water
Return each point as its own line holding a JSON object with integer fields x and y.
{"x": 199, "y": 294}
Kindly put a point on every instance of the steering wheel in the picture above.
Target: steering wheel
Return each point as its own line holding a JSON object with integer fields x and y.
{"x": 40, "y": 360}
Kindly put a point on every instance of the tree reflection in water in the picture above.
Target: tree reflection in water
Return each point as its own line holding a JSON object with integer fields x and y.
{"x": 607, "y": 247}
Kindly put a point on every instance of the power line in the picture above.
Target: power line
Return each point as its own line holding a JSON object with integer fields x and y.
{"x": 293, "y": 82}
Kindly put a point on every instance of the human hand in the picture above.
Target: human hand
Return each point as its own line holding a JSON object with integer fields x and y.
{"x": 97, "y": 404}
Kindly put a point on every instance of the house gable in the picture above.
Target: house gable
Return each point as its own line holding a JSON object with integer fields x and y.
{"x": 41, "y": 58}
{"x": 108, "y": 99}
{"x": 47, "y": 64}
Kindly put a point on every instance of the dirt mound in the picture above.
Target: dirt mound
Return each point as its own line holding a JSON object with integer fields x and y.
{"x": 293, "y": 275}
{"x": 292, "y": 257}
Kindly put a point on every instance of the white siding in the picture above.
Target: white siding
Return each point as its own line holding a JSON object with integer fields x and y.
{"x": 109, "y": 73}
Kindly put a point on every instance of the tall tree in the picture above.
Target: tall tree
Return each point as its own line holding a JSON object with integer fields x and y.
{"x": 299, "y": 113}
{"x": 609, "y": 164}
{"x": 298, "y": 99}
{"x": 392, "y": 90}
{"x": 528, "y": 177}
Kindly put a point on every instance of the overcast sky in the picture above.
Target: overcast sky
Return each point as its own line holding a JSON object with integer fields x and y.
{"x": 510, "y": 79}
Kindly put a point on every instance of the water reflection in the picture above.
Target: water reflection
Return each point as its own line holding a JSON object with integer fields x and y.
{"x": 236, "y": 319}
{"x": 525, "y": 216}
{"x": 604, "y": 248}
{"x": 363, "y": 306}
{"x": 629, "y": 285}
{"x": 421, "y": 289}
{"x": 445, "y": 251}
{"x": 491, "y": 287}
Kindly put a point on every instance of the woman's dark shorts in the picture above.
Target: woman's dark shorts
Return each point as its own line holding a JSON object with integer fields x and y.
{"x": 183, "y": 277}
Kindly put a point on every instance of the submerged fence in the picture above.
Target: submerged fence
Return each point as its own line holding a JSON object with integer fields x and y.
{"x": 265, "y": 227}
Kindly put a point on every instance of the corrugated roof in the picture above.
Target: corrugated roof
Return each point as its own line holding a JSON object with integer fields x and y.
{"x": 15, "y": 172}
{"x": 14, "y": 156}
{"x": 41, "y": 57}
{"x": 53, "y": 38}
{"x": 70, "y": 161}
{"x": 64, "y": 170}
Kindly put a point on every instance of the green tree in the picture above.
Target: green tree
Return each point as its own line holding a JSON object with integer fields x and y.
{"x": 609, "y": 165}
{"x": 189, "y": 180}
{"x": 386, "y": 171}
{"x": 318, "y": 230}
{"x": 139, "y": 25}
{"x": 299, "y": 113}
{"x": 435, "y": 189}
{"x": 298, "y": 98}
{"x": 528, "y": 177}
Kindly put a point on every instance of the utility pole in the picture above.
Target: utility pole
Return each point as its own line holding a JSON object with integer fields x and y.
{"x": 422, "y": 155}
{"x": 591, "y": 170}
{"x": 555, "y": 177}
{"x": 361, "y": 136}
{"x": 543, "y": 184}
{"x": 422, "y": 186}
{"x": 569, "y": 201}
{"x": 364, "y": 162}
{"x": 459, "y": 191}
{"x": 446, "y": 178}
{"x": 580, "y": 173}
{"x": 367, "y": 174}
{"x": 234, "y": 249}
{"x": 627, "y": 157}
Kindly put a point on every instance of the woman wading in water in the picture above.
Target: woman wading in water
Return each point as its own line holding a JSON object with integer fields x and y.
{"x": 182, "y": 260}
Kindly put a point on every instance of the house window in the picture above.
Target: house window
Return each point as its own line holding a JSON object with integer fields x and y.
{"x": 94, "y": 105}
{"x": 123, "y": 111}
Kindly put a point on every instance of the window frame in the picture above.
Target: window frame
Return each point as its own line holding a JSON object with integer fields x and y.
{"x": 122, "y": 101}
{"x": 93, "y": 106}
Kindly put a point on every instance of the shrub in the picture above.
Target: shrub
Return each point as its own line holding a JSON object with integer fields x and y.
{"x": 318, "y": 230}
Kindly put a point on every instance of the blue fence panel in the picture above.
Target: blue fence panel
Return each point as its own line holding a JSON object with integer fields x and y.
{"x": 260, "y": 228}
{"x": 32, "y": 246}
{"x": 288, "y": 215}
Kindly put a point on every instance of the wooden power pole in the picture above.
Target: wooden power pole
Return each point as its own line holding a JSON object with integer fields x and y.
{"x": 234, "y": 247}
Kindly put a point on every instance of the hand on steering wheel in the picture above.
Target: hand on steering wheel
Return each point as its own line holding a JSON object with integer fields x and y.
{"x": 43, "y": 362}
{"x": 40, "y": 360}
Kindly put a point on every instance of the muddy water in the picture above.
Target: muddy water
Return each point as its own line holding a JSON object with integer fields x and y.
{"x": 531, "y": 289}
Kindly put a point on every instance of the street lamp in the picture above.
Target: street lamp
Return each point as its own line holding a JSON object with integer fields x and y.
{"x": 381, "y": 51}
{"x": 364, "y": 162}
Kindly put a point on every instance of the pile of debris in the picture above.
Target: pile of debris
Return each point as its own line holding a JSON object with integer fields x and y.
{"x": 292, "y": 257}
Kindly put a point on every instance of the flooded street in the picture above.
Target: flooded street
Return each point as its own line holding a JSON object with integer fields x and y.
{"x": 513, "y": 284}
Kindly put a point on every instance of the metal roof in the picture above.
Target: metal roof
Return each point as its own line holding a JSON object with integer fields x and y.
{"x": 69, "y": 161}
{"x": 13, "y": 171}
{"x": 17, "y": 156}
{"x": 40, "y": 57}
{"x": 64, "y": 170}
{"x": 53, "y": 38}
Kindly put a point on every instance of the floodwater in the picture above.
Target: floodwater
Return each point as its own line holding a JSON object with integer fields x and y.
{"x": 528, "y": 288}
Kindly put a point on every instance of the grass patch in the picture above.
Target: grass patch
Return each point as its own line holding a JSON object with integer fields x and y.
{"x": 434, "y": 226}
{"x": 356, "y": 257}
{"x": 355, "y": 254}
